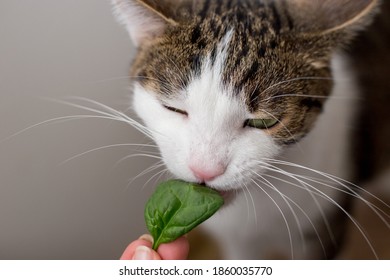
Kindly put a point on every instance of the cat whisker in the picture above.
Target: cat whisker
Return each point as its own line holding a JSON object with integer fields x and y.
{"x": 55, "y": 121}
{"x": 331, "y": 200}
{"x": 118, "y": 78}
{"x": 289, "y": 81}
{"x": 352, "y": 193}
{"x": 112, "y": 115}
{"x": 155, "y": 166}
{"x": 303, "y": 212}
{"x": 127, "y": 77}
{"x": 159, "y": 174}
{"x": 107, "y": 147}
{"x": 295, "y": 80}
{"x": 164, "y": 85}
{"x": 285, "y": 127}
{"x": 307, "y": 95}
{"x": 312, "y": 193}
{"x": 286, "y": 200}
{"x": 282, "y": 214}
{"x": 253, "y": 205}
{"x": 245, "y": 191}
{"x": 164, "y": 171}
{"x": 105, "y": 110}
{"x": 160, "y": 82}
{"x": 155, "y": 155}
{"x": 342, "y": 183}
{"x": 304, "y": 186}
{"x": 247, "y": 205}
{"x": 313, "y": 196}
{"x": 151, "y": 79}
{"x": 108, "y": 112}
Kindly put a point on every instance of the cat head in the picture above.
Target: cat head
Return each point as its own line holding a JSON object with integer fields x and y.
{"x": 224, "y": 85}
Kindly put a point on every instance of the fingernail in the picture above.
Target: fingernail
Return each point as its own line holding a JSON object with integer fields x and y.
{"x": 147, "y": 237}
{"x": 142, "y": 253}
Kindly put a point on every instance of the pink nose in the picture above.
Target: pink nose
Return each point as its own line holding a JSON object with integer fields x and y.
{"x": 208, "y": 174}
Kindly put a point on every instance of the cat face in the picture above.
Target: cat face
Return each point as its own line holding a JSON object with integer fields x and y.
{"x": 224, "y": 85}
{"x": 201, "y": 129}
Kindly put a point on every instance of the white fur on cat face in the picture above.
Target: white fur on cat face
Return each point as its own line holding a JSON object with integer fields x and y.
{"x": 211, "y": 140}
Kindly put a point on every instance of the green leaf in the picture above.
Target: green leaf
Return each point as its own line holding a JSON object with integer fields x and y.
{"x": 176, "y": 207}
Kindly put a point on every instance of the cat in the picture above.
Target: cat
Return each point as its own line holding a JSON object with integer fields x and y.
{"x": 254, "y": 99}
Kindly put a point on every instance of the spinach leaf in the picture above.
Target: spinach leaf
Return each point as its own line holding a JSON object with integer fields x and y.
{"x": 176, "y": 207}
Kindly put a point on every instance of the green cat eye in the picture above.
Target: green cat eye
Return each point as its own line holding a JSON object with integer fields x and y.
{"x": 261, "y": 123}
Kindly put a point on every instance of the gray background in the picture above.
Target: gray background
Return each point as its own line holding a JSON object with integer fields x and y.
{"x": 85, "y": 208}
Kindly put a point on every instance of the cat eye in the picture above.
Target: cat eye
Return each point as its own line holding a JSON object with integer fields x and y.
{"x": 261, "y": 123}
{"x": 176, "y": 110}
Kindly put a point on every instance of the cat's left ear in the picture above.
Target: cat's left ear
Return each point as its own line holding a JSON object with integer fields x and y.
{"x": 329, "y": 16}
{"x": 145, "y": 19}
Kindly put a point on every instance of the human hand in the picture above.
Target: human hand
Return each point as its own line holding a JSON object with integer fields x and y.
{"x": 141, "y": 249}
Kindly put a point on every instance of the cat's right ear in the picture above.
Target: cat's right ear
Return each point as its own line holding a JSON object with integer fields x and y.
{"x": 143, "y": 19}
{"x": 332, "y": 16}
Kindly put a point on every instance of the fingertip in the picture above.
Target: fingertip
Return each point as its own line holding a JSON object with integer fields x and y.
{"x": 147, "y": 237}
{"x": 145, "y": 253}
{"x": 128, "y": 254}
{"x": 141, "y": 249}
{"x": 176, "y": 250}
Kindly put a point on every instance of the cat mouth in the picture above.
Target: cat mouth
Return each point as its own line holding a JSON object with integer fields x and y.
{"x": 227, "y": 195}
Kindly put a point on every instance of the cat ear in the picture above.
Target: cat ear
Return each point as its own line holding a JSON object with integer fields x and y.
{"x": 144, "y": 19}
{"x": 327, "y": 16}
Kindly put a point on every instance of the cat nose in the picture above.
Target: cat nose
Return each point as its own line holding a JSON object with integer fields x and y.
{"x": 209, "y": 173}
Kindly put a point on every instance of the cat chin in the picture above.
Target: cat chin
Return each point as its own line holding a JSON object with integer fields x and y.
{"x": 228, "y": 195}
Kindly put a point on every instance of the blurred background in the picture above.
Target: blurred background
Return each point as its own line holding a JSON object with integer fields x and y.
{"x": 84, "y": 208}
